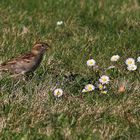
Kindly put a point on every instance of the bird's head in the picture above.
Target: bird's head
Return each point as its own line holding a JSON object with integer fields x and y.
{"x": 40, "y": 48}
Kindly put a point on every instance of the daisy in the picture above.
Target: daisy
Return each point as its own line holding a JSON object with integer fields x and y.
{"x": 138, "y": 59}
{"x": 104, "y": 79}
{"x": 130, "y": 61}
{"x": 89, "y": 87}
{"x": 58, "y": 92}
{"x": 132, "y": 67}
{"x": 91, "y": 62}
{"x": 59, "y": 23}
{"x": 101, "y": 87}
{"x": 84, "y": 90}
{"x": 115, "y": 58}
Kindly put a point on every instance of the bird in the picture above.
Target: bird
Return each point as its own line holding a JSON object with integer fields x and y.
{"x": 27, "y": 62}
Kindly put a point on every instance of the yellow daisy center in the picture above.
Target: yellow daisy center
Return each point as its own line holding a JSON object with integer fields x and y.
{"x": 90, "y": 88}
{"x": 100, "y": 86}
{"x": 129, "y": 62}
{"x": 104, "y": 79}
{"x": 90, "y": 62}
{"x": 58, "y": 93}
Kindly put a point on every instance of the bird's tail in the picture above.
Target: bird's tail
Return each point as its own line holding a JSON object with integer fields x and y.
{"x": 2, "y": 68}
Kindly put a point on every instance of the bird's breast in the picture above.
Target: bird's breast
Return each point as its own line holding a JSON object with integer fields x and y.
{"x": 36, "y": 62}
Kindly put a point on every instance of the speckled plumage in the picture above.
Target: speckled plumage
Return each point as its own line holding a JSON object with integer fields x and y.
{"x": 27, "y": 62}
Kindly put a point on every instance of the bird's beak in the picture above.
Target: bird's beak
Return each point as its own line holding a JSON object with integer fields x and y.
{"x": 47, "y": 47}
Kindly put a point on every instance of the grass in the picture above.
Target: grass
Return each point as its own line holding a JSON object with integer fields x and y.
{"x": 91, "y": 29}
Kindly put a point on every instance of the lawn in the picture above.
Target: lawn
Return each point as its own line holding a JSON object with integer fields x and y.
{"x": 94, "y": 29}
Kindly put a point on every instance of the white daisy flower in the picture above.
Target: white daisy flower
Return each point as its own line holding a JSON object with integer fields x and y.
{"x": 130, "y": 61}
{"x": 84, "y": 90}
{"x": 58, "y": 92}
{"x": 91, "y": 62}
{"x": 59, "y": 23}
{"x": 101, "y": 87}
{"x": 138, "y": 59}
{"x": 89, "y": 87}
{"x": 115, "y": 58}
{"x": 132, "y": 67}
{"x": 104, "y": 79}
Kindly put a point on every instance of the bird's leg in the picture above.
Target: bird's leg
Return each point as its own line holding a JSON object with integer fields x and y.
{"x": 29, "y": 76}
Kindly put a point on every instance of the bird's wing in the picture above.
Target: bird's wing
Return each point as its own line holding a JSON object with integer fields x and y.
{"x": 26, "y": 58}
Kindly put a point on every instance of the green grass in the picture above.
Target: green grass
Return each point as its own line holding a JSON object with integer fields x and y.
{"x": 92, "y": 29}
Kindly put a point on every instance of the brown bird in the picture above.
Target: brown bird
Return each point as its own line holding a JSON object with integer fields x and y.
{"x": 26, "y": 63}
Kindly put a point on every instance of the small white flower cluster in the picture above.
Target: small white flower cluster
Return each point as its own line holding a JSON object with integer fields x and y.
{"x": 131, "y": 66}
{"x": 130, "y": 62}
{"x": 103, "y": 80}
